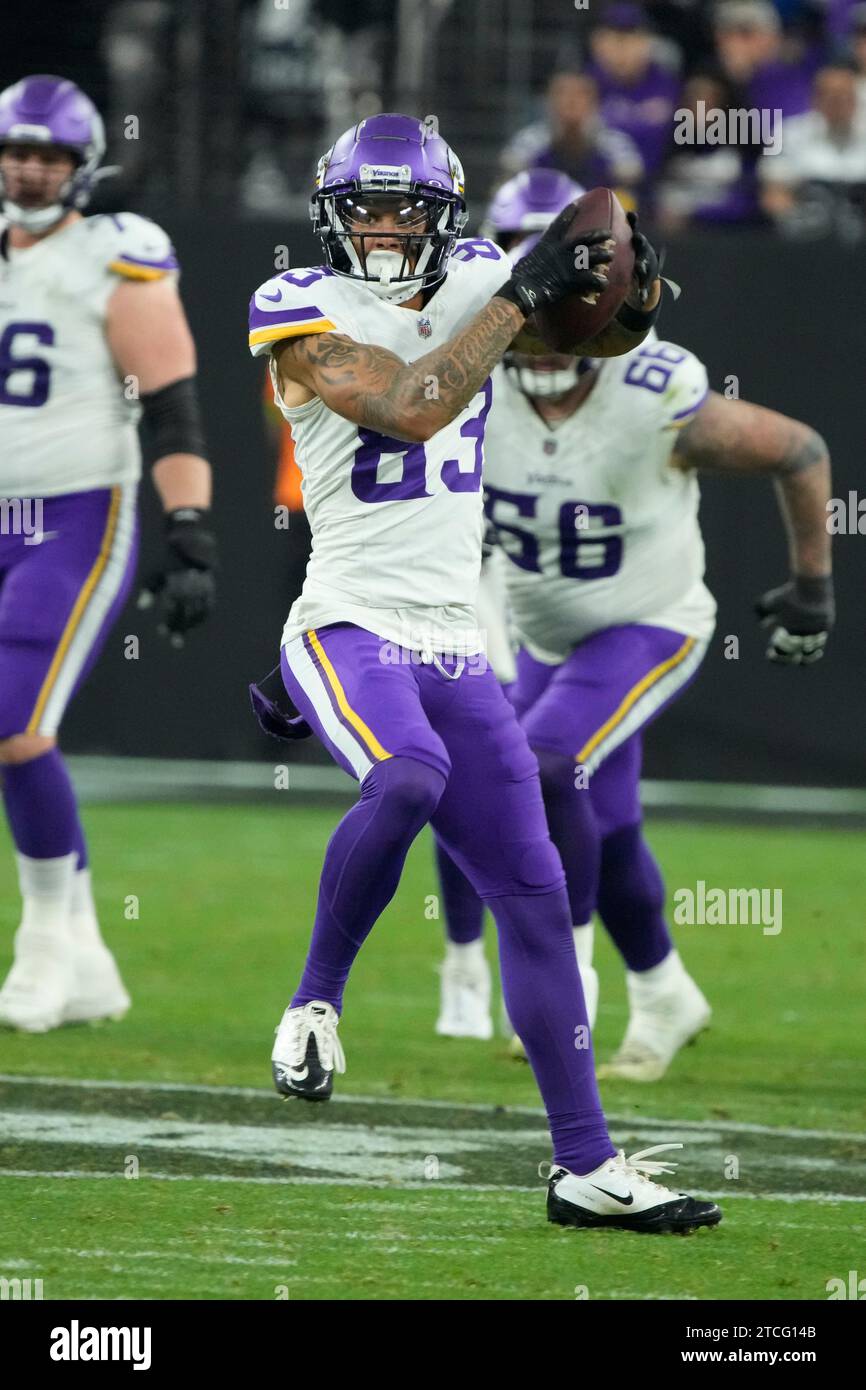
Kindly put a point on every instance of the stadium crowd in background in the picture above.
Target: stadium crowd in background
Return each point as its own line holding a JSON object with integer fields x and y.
{"x": 611, "y": 114}
{"x": 598, "y": 94}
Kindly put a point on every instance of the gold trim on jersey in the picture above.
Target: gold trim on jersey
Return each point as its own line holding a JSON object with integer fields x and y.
{"x": 291, "y": 330}
{"x": 78, "y": 611}
{"x": 633, "y": 696}
{"x": 366, "y": 734}
{"x": 138, "y": 272}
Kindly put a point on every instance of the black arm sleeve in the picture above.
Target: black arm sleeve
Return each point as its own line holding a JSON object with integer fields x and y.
{"x": 171, "y": 421}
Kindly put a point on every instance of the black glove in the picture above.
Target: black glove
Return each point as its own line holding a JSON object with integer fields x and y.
{"x": 646, "y": 262}
{"x": 553, "y": 269}
{"x": 800, "y": 615}
{"x": 185, "y": 585}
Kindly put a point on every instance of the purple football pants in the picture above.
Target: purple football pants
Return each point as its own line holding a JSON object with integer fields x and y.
{"x": 431, "y": 744}
{"x": 584, "y": 720}
{"x": 59, "y": 596}
{"x": 66, "y": 566}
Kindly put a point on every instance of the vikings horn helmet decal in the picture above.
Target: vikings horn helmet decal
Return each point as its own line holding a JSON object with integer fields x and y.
{"x": 45, "y": 110}
{"x": 398, "y": 165}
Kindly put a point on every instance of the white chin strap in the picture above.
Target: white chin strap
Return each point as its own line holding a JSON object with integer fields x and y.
{"x": 381, "y": 267}
{"x": 33, "y": 219}
{"x": 535, "y": 383}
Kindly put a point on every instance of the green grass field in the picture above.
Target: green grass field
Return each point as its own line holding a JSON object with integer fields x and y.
{"x": 420, "y": 1180}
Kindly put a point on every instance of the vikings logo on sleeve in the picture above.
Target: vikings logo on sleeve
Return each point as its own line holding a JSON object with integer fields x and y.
{"x": 290, "y": 306}
{"x": 130, "y": 246}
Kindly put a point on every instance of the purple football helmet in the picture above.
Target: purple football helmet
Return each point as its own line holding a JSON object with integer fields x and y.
{"x": 46, "y": 110}
{"x": 400, "y": 166}
{"x": 528, "y": 203}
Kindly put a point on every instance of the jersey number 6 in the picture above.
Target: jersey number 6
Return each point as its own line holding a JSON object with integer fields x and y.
{"x": 583, "y": 553}
{"x": 40, "y": 382}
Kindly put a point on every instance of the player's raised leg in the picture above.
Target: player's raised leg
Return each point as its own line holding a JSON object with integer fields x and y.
{"x": 367, "y": 712}
{"x": 57, "y": 602}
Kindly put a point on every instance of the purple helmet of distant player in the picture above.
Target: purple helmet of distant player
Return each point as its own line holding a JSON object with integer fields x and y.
{"x": 528, "y": 203}
{"x": 396, "y": 168}
{"x": 46, "y": 110}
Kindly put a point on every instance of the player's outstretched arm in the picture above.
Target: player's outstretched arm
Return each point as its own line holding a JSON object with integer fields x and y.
{"x": 734, "y": 436}
{"x": 373, "y": 387}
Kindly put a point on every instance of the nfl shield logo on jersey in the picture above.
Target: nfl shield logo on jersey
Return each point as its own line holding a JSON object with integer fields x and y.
{"x": 425, "y": 327}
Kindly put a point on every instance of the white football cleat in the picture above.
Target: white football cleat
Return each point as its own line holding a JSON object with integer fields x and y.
{"x": 618, "y": 1194}
{"x": 663, "y": 1017}
{"x": 35, "y": 992}
{"x": 98, "y": 991}
{"x": 307, "y": 1051}
{"x": 464, "y": 1008}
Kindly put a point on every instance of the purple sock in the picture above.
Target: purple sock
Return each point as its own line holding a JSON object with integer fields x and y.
{"x": 544, "y": 998}
{"x": 574, "y": 830}
{"x": 363, "y": 864}
{"x": 40, "y": 805}
{"x": 464, "y": 910}
{"x": 631, "y": 899}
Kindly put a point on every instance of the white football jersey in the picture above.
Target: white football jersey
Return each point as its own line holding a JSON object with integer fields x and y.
{"x": 66, "y": 424}
{"x": 396, "y": 526}
{"x": 598, "y": 527}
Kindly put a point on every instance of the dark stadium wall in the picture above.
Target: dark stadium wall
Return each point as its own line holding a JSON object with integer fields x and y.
{"x": 779, "y": 318}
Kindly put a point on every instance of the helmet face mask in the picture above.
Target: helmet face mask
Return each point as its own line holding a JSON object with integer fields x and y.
{"x": 52, "y": 113}
{"x": 416, "y": 206}
{"x": 547, "y": 378}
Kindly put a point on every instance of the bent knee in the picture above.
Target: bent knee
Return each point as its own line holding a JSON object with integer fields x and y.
{"x": 23, "y": 748}
{"x": 413, "y": 788}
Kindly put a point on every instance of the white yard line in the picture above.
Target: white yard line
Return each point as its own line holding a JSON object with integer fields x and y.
{"x": 726, "y": 1195}
{"x": 641, "y": 1122}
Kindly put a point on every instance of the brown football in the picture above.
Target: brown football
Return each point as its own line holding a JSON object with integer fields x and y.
{"x": 573, "y": 321}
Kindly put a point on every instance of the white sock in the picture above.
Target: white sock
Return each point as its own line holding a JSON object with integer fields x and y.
{"x": 46, "y": 888}
{"x": 465, "y": 952}
{"x": 665, "y": 975}
{"x": 83, "y": 922}
{"x": 584, "y": 937}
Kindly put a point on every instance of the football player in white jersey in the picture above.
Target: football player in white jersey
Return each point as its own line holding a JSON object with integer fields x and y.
{"x": 92, "y": 336}
{"x": 381, "y": 360}
{"x": 596, "y": 514}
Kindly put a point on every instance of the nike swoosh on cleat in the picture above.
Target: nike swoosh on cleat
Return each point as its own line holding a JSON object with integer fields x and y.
{"x": 274, "y": 298}
{"x": 290, "y": 1074}
{"x": 623, "y": 1201}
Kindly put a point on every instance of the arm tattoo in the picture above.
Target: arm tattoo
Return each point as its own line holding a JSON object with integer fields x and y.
{"x": 737, "y": 437}
{"x": 734, "y": 436}
{"x": 373, "y": 387}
